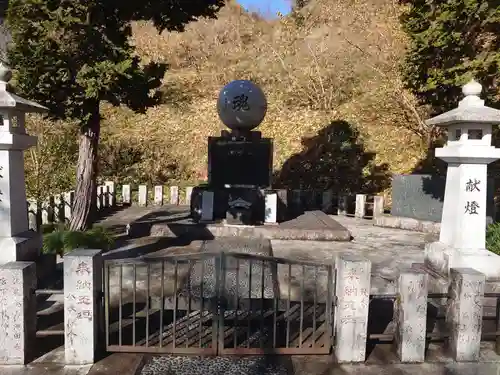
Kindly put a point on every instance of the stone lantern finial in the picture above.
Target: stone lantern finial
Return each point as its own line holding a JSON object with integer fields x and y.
{"x": 472, "y": 91}
{"x": 472, "y": 88}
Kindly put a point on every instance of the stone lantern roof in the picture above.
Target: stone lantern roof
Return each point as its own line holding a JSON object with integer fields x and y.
{"x": 471, "y": 109}
{"x": 10, "y": 101}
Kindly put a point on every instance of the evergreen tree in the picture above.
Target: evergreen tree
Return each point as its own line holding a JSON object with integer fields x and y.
{"x": 452, "y": 41}
{"x": 70, "y": 55}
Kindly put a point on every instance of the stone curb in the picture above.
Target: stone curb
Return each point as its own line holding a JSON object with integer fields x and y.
{"x": 119, "y": 364}
{"x": 320, "y": 227}
{"x": 407, "y": 223}
{"x": 208, "y": 232}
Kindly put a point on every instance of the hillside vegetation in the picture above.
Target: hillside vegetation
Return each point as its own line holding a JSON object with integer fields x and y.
{"x": 337, "y": 110}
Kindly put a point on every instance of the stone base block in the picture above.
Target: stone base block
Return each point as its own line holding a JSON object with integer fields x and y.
{"x": 406, "y": 223}
{"x": 311, "y": 226}
{"x": 441, "y": 258}
{"x": 24, "y": 247}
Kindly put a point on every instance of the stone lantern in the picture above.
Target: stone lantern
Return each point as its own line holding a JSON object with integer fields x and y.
{"x": 468, "y": 153}
{"x": 17, "y": 242}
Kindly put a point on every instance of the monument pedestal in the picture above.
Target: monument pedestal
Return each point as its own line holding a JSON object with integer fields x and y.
{"x": 25, "y": 246}
{"x": 441, "y": 258}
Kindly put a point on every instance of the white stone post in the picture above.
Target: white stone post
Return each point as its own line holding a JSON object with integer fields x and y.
{"x": 111, "y": 193}
{"x": 271, "y": 207}
{"x": 174, "y": 195}
{"x": 17, "y": 313}
{"x": 158, "y": 195}
{"x": 468, "y": 153}
{"x": 360, "y": 209}
{"x": 464, "y": 314}
{"x": 143, "y": 195}
{"x": 105, "y": 196}
{"x": 282, "y": 205}
{"x": 100, "y": 197}
{"x": 69, "y": 200}
{"x": 58, "y": 209}
{"x": 351, "y": 316}
{"x": 82, "y": 308}
{"x": 33, "y": 214}
{"x": 126, "y": 195}
{"x": 189, "y": 191}
{"x": 411, "y": 317}
{"x": 378, "y": 205}
{"x": 17, "y": 242}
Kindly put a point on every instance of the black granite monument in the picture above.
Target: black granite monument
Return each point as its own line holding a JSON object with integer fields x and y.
{"x": 421, "y": 197}
{"x": 239, "y": 160}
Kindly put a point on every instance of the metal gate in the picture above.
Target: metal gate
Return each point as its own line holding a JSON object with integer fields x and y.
{"x": 218, "y": 303}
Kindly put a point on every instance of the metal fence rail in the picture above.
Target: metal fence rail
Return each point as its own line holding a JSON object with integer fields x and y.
{"x": 218, "y": 303}
{"x": 281, "y": 307}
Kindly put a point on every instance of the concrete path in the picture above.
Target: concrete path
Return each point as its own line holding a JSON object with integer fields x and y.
{"x": 389, "y": 250}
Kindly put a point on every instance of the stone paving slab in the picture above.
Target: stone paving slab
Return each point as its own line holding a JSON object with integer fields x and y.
{"x": 389, "y": 250}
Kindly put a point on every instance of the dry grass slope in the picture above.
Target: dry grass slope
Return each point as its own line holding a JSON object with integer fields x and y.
{"x": 335, "y": 60}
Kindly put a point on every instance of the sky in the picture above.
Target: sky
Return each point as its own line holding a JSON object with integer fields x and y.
{"x": 267, "y": 7}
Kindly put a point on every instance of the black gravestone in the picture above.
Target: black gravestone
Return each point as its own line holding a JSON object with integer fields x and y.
{"x": 240, "y": 160}
{"x": 421, "y": 197}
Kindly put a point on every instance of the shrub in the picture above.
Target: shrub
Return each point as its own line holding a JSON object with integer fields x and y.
{"x": 61, "y": 241}
{"x": 493, "y": 238}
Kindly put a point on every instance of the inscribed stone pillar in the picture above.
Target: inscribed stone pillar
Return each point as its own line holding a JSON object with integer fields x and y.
{"x": 352, "y": 290}
{"x": 464, "y": 314}
{"x": 411, "y": 316}
{"x": 82, "y": 311}
{"x": 17, "y": 313}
